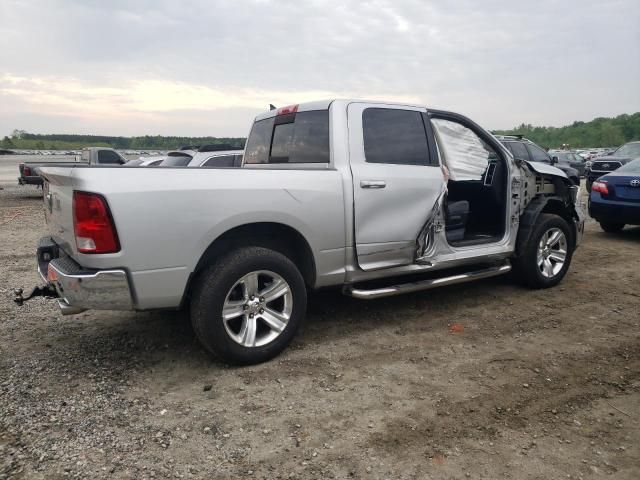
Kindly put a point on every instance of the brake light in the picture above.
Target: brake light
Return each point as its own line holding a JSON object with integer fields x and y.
{"x": 26, "y": 171}
{"x": 93, "y": 225}
{"x": 600, "y": 187}
{"x": 288, "y": 109}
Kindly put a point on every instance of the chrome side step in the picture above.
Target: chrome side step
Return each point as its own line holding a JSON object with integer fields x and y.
{"x": 426, "y": 284}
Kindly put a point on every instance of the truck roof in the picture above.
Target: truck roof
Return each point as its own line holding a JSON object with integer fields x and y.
{"x": 324, "y": 104}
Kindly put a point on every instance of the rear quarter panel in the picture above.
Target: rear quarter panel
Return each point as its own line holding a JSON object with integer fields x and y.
{"x": 166, "y": 218}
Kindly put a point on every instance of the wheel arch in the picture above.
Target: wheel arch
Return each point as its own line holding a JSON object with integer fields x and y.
{"x": 544, "y": 204}
{"x": 273, "y": 235}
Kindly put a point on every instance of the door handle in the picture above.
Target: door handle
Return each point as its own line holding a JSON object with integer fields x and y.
{"x": 372, "y": 184}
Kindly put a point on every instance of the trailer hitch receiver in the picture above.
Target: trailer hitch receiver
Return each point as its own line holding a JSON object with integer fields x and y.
{"x": 39, "y": 291}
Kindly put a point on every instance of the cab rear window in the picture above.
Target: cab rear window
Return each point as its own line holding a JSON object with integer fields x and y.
{"x": 301, "y": 137}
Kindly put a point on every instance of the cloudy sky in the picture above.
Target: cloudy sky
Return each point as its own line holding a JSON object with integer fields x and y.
{"x": 207, "y": 67}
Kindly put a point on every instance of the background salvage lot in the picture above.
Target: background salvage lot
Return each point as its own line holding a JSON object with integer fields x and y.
{"x": 540, "y": 384}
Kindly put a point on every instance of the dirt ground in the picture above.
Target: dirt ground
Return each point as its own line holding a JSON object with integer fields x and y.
{"x": 537, "y": 385}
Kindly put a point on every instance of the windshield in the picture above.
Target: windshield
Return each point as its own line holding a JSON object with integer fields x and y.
{"x": 628, "y": 150}
{"x": 631, "y": 167}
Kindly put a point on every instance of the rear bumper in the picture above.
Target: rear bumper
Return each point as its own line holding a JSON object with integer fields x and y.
{"x": 614, "y": 211}
{"x": 82, "y": 289}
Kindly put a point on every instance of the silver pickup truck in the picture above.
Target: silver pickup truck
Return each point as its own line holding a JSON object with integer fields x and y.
{"x": 375, "y": 198}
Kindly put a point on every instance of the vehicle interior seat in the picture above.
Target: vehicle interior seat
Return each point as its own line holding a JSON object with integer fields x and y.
{"x": 474, "y": 212}
{"x": 457, "y": 214}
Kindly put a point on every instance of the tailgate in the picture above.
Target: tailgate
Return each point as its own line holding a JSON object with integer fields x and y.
{"x": 58, "y": 206}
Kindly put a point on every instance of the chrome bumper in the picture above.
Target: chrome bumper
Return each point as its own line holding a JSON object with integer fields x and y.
{"x": 79, "y": 289}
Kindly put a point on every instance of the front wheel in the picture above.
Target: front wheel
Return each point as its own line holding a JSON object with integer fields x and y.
{"x": 247, "y": 306}
{"x": 610, "y": 227}
{"x": 547, "y": 255}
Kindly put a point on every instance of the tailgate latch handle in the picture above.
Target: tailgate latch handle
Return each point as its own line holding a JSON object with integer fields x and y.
{"x": 372, "y": 184}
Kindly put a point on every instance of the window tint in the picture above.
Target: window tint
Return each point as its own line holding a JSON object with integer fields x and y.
{"x": 220, "y": 161}
{"x": 537, "y": 154}
{"x": 109, "y": 157}
{"x": 394, "y": 136}
{"x": 305, "y": 140}
{"x": 259, "y": 141}
{"x": 519, "y": 151}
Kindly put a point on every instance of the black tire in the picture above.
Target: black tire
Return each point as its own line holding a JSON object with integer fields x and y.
{"x": 215, "y": 283}
{"x": 610, "y": 227}
{"x": 526, "y": 266}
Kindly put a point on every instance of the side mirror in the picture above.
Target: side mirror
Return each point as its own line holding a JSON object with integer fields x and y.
{"x": 554, "y": 160}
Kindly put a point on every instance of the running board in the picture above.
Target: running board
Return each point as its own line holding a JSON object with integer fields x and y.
{"x": 426, "y": 284}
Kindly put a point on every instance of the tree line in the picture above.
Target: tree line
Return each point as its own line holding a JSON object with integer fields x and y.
{"x": 20, "y": 139}
{"x": 600, "y": 132}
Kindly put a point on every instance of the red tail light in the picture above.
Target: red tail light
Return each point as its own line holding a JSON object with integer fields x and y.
{"x": 93, "y": 225}
{"x": 600, "y": 187}
{"x": 288, "y": 109}
{"x": 26, "y": 171}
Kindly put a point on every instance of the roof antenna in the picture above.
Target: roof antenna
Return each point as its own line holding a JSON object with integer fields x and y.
{"x": 272, "y": 106}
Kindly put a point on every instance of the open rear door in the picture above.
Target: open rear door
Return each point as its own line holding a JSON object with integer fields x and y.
{"x": 396, "y": 181}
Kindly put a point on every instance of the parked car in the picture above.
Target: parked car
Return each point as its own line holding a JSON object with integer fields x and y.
{"x": 570, "y": 159}
{"x": 348, "y": 194}
{"x": 146, "y": 162}
{"x": 30, "y": 171}
{"x": 603, "y": 165}
{"x": 177, "y": 158}
{"x": 215, "y": 158}
{"x": 615, "y": 198}
{"x": 206, "y": 156}
{"x": 526, "y": 150}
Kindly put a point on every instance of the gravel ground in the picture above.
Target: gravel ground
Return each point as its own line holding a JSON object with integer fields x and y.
{"x": 526, "y": 385}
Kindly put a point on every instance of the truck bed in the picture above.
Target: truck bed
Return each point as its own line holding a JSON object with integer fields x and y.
{"x": 166, "y": 218}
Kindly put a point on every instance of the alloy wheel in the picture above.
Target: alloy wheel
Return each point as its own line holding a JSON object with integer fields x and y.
{"x": 552, "y": 252}
{"x": 257, "y": 308}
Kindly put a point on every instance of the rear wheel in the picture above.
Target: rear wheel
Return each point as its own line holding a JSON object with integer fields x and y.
{"x": 610, "y": 227}
{"x": 247, "y": 306}
{"x": 547, "y": 255}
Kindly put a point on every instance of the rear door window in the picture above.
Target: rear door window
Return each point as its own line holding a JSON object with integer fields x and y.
{"x": 394, "y": 136}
